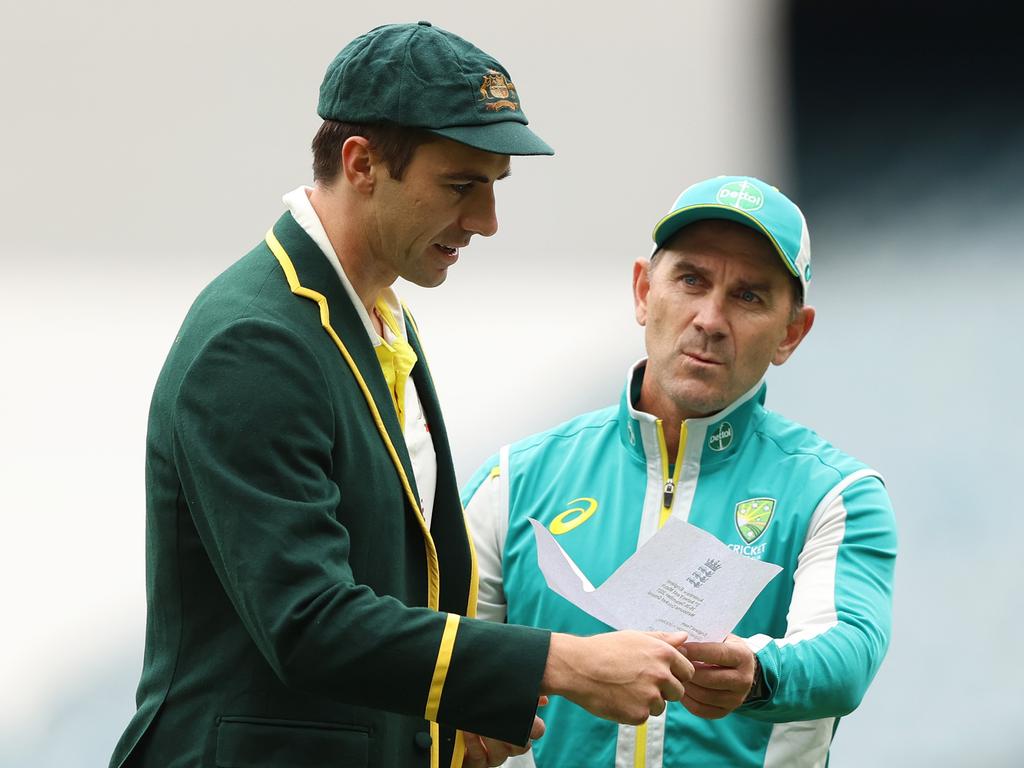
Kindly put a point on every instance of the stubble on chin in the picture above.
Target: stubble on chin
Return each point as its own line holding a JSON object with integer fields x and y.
{"x": 697, "y": 393}
{"x": 428, "y": 279}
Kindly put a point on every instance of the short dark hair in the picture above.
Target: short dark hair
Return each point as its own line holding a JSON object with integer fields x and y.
{"x": 394, "y": 144}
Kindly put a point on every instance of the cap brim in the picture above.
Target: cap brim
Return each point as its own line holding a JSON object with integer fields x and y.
{"x": 505, "y": 138}
{"x": 676, "y": 220}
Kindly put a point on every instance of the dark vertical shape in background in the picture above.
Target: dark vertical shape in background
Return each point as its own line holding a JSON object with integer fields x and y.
{"x": 895, "y": 103}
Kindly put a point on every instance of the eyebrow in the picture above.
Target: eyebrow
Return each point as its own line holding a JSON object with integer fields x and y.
{"x": 683, "y": 265}
{"x": 474, "y": 176}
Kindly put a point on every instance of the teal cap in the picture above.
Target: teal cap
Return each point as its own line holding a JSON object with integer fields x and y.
{"x": 422, "y": 76}
{"x": 750, "y": 202}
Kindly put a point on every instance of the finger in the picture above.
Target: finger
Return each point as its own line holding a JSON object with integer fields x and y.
{"x": 657, "y": 706}
{"x": 476, "y": 755}
{"x": 682, "y": 668}
{"x": 538, "y": 728}
{"x": 671, "y": 690}
{"x": 711, "y": 697}
{"x": 500, "y": 751}
{"x": 722, "y": 678}
{"x": 497, "y": 751}
{"x": 722, "y": 654}
{"x": 543, "y": 701}
{"x": 700, "y": 709}
{"x": 514, "y": 750}
{"x": 675, "y": 639}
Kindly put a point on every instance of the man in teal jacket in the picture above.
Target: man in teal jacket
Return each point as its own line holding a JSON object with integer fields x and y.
{"x": 721, "y": 299}
{"x": 309, "y": 571}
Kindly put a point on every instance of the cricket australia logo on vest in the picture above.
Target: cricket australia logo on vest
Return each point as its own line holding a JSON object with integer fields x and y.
{"x": 742, "y": 195}
{"x": 721, "y": 438}
{"x": 753, "y": 517}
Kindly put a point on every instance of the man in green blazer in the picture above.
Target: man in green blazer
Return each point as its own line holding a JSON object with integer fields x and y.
{"x": 310, "y": 580}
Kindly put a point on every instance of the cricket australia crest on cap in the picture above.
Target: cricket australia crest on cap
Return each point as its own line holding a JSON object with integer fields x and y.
{"x": 497, "y": 92}
{"x": 741, "y": 194}
{"x": 752, "y": 518}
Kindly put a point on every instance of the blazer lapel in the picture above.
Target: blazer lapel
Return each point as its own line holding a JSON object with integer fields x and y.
{"x": 448, "y": 525}
{"x": 318, "y": 276}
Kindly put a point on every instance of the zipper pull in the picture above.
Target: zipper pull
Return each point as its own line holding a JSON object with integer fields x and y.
{"x": 670, "y": 488}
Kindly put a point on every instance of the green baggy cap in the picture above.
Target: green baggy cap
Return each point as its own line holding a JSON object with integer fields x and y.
{"x": 422, "y": 76}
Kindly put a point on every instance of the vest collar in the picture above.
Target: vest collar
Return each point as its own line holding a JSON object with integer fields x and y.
{"x": 720, "y": 435}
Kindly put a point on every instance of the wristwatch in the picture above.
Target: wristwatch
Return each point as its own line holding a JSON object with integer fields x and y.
{"x": 758, "y": 689}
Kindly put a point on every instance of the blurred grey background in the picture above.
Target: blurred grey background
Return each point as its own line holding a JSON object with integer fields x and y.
{"x": 146, "y": 146}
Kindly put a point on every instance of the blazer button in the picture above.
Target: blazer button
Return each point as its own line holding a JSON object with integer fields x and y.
{"x": 422, "y": 740}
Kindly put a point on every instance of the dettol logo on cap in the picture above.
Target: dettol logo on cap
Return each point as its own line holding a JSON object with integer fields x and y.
{"x": 740, "y": 194}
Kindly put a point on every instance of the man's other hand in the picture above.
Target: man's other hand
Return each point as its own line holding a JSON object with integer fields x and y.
{"x": 723, "y": 676}
{"x": 483, "y": 752}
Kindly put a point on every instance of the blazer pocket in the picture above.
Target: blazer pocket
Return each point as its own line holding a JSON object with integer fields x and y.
{"x": 254, "y": 742}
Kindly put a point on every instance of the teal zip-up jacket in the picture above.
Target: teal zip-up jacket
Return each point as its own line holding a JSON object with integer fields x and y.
{"x": 767, "y": 487}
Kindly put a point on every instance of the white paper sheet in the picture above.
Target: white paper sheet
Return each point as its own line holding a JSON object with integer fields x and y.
{"x": 683, "y": 578}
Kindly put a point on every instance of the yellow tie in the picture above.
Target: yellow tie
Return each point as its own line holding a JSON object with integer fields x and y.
{"x": 397, "y": 359}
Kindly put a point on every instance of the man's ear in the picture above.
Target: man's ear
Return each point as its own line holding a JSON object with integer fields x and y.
{"x": 358, "y": 164}
{"x": 641, "y": 287}
{"x": 796, "y": 332}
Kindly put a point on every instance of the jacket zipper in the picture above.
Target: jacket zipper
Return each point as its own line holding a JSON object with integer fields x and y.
{"x": 670, "y": 488}
{"x": 669, "y": 482}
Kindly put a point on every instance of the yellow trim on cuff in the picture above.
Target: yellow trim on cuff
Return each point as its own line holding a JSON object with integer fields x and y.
{"x": 435, "y": 745}
{"x": 444, "y": 659}
{"x": 433, "y": 567}
{"x": 459, "y": 753}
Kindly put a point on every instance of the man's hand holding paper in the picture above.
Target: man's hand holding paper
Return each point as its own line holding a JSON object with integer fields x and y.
{"x": 723, "y": 676}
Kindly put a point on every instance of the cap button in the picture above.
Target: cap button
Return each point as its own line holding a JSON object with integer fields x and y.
{"x": 425, "y": 24}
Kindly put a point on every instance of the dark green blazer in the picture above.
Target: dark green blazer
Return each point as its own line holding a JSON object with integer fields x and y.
{"x": 299, "y": 613}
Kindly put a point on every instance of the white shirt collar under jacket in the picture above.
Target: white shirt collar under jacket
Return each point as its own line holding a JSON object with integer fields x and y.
{"x": 302, "y": 211}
